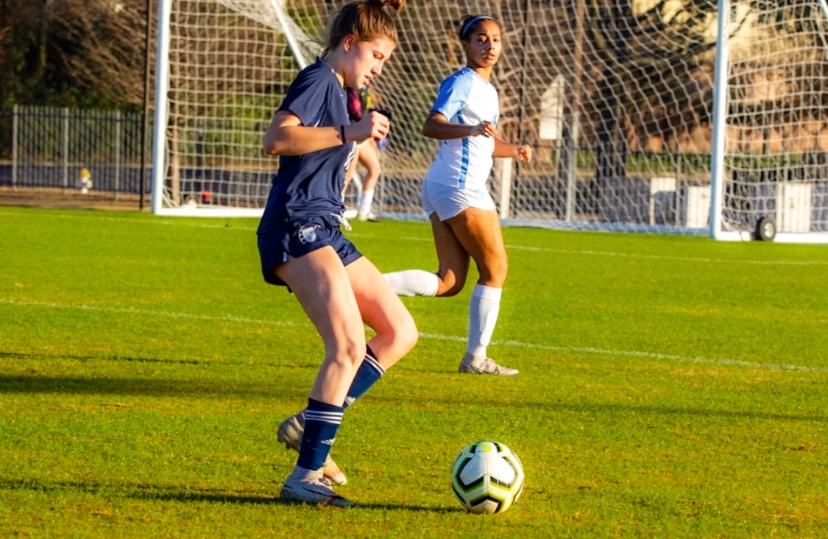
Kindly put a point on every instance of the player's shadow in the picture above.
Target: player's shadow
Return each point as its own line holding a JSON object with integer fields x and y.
{"x": 224, "y": 498}
{"x": 177, "y": 494}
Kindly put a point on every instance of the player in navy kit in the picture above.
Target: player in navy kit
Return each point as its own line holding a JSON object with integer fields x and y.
{"x": 301, "y": 245}
{"x": 463, "y": 216}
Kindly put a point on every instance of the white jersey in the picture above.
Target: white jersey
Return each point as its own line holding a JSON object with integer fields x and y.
{"x": 465, "y": 98}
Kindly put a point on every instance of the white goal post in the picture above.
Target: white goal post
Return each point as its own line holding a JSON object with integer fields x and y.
{"x": 696, "y": 117}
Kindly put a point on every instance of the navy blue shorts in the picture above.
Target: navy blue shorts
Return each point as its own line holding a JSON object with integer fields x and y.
{"x": 298, "y": 239}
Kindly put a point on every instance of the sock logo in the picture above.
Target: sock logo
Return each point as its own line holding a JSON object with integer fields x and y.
{"x": 329, "y": 441}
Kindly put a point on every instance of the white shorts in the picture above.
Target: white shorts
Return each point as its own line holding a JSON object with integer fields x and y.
{"x": 447, "y": 201}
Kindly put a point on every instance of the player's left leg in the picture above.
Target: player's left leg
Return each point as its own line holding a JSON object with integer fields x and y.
{"x": 384, "y": 312}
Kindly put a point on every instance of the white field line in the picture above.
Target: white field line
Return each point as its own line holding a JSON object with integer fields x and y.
{"x": 168, "y": 314}
{"x": 649, "y": 257}
{"x": 223, "y": 223}
{"x": 646, "y": 355}
{"x": 680, "y": 258}
{"x": 435, "y": 336}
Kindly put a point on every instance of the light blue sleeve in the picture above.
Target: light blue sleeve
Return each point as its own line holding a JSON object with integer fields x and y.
{"x": 453, "y": 94}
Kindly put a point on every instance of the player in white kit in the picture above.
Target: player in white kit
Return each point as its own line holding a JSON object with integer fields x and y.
{"x": 463, "y": 216}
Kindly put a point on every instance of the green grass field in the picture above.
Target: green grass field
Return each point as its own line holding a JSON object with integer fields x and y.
{"x": 669, "y": 387}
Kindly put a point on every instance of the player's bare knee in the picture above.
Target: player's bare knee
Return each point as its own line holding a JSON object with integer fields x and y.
{"x": 403, "y": 335}
{"x": 450, "y": 287}
{"x": 408, "y": 334}
{"x": 494, "y": 275}
{"x": 350, "y": 355}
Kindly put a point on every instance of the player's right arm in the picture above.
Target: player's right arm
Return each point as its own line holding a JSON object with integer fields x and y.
{"x": 438, "y": 127}
{"x": 287, "y": 136}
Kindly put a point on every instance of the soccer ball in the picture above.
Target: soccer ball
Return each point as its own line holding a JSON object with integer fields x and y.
{"x": 487, "y": 477}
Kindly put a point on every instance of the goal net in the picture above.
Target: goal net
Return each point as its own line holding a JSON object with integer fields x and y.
{"x": 631, "y": 128}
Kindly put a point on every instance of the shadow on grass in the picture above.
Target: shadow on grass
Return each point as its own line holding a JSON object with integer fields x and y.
{"x": 183, "y": 494}
{"x": 76, "y": 385}
{"x": 171, "y": 362}
{"x": 12, "y": 355}
{"x": 613, "y": 410}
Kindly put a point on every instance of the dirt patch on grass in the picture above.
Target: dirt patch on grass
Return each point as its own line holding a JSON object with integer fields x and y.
{"x": 45, "y": 197}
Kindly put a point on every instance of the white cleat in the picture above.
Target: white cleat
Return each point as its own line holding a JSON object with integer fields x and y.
{"x": 485, "y": 365}
{"x": 308, "y": 488}
{"x": 290, "y": 433}
{"x": 370, "y": 217}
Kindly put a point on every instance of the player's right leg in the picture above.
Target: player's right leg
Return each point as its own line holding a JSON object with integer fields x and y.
{"x": 478, "y": 231}
{"x": 320, "y": 283}
{"x": 290, "y": 433}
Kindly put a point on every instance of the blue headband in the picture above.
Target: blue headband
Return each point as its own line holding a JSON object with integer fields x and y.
{"x": 471, "y": 22}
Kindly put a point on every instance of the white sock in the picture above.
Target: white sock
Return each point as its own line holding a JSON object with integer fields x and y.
{"x": 413, "y": 282}
{"x": 484, "y": 307}
{"x": 365, "y": 202}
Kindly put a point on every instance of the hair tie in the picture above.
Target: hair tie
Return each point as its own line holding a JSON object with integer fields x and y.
{"x": 471, "y": 22}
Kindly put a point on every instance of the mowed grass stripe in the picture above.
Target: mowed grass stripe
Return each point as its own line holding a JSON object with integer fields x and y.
{"x": 145, "y": 365}
{"x": 243, "y": 225}
{"x": 438, "y": 337}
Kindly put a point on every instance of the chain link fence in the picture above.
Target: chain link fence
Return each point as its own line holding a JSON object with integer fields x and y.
{"x": 74, "y": 151}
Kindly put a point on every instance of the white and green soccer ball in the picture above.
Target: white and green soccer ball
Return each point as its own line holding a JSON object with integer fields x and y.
{"x": 487, "y": 477}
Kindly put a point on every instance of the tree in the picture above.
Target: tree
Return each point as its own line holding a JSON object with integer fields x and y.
{"x": 22, "y": 68}
{"x": 72, "y": 52}
{"x": 108, "y": 50}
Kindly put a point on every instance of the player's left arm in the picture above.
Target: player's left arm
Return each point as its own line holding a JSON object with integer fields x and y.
{"x": 521, "y": 152}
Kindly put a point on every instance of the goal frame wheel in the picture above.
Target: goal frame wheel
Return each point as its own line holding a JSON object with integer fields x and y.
{"x": 765, "y": 229}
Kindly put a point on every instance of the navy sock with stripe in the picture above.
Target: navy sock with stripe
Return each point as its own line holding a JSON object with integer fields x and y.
{"x": 322, "y": 422}
{"x": 368, "y": 374}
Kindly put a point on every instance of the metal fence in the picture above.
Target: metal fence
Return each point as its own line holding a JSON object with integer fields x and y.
{"x": 73, "y": 149}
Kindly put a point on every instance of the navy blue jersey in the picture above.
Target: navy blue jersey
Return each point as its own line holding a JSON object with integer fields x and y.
{"x": 310, "y": 185}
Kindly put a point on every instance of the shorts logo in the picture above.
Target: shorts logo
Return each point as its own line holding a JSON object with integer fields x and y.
{"x": 307, "y": 234}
